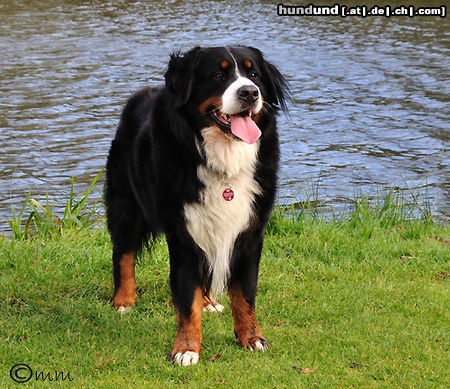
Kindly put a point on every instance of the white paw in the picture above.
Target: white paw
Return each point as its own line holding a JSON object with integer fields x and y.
{"x": 187, "y": 358}
{"x": 259, "y": 345}
{"x": 123, "y": 310}
{"x": 214, "y": 308}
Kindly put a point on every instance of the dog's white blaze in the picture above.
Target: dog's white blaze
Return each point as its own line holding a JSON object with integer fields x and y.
{"x": 214, "y": 223}
{"x": 236, "y": 68}
{"x": 230, "y": 101}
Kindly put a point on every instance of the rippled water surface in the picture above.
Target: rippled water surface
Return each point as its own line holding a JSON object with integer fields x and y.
{"x": 370, "y": 104}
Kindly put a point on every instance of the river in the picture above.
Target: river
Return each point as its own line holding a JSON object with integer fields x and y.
{"x": 370, "y": 106}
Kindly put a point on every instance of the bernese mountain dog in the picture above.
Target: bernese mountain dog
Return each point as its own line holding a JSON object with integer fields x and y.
{"x": 197, "y": 160}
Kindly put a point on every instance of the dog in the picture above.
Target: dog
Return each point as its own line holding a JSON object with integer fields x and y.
{"x": 197, "y": 160}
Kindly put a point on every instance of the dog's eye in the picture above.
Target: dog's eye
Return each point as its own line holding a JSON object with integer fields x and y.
{"x": 253, "y": 74}
{"x": 219, "y": 76}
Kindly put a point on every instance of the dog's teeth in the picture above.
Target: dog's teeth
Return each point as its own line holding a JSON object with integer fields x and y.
{"x": 225, "y": 116}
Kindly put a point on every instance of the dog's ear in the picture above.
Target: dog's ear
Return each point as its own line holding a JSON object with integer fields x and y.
{"x": 279, "y": 91}
{"x": 180, "y": 75}
{"x": 277, "y": 87}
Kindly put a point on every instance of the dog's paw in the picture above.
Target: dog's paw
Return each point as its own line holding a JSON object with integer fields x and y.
{"x": 210, "y": 304}
{"x": 123, "y": 310}
{"x": 124, "y": 299}
{"x": 187, "y": 358}
{"x": 257, "y": 343}
{"x": 213, "y": 307}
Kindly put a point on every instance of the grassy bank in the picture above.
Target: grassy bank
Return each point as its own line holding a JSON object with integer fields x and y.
{"x": 357, "y": 302}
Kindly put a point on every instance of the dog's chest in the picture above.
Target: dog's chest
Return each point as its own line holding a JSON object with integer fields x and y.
{"x": 215, "y": 222}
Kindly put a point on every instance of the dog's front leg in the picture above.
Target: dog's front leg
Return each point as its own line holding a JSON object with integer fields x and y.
{"x": 246, "y": 327}
{"x": 187, "y": 295}
{"x": 242, "y": 290}
{"x": 186, "y": 349}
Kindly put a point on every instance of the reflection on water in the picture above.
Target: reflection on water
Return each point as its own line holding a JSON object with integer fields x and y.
{"x": 370, "y": 96}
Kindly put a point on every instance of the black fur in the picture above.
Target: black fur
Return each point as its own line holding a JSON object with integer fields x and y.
{"x": 152, "y": 169}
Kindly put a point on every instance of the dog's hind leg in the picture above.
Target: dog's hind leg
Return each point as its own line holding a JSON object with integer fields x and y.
{"x": 210, "y": 304}
{"x": 124, "y": 280}
{"x": 128, "y": 235}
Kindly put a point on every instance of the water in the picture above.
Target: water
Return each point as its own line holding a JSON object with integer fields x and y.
{"x": 370, "y": 101}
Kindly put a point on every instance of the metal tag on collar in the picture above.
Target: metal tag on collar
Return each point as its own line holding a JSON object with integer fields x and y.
{"x": 228, "y": 194}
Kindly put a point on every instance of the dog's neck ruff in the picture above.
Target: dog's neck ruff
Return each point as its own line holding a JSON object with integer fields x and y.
{"x": 215, "y": 223}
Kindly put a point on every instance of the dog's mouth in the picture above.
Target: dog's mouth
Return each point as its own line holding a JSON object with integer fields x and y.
{"x": 240, "y": 126}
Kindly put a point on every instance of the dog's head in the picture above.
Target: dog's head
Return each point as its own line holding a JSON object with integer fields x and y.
{"x": 227, "y": 87}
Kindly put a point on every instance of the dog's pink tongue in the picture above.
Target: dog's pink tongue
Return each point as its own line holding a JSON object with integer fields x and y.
{"x": 245, "y": 128}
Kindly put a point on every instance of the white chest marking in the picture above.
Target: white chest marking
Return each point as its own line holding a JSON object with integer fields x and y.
{"x": 214, "y": 223}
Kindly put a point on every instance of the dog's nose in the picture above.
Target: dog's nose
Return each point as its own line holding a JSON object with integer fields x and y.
{"x": 248, "y": 93}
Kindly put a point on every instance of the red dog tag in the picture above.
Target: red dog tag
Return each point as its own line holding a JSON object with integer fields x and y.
{"x": 228, "y": 194}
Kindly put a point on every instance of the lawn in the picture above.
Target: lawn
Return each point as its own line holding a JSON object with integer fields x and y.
{"x": 358, "y": 302}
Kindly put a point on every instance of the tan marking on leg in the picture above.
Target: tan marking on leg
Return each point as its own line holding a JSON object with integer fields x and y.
{"x": 189, "y": 335}
{"x": 246, "y": 327}
{"x": 126, "y": 295}
{"x": 210, "y": 303}
{"x": 208, "y": 298}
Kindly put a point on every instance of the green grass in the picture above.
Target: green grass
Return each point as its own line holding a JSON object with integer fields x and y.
{"x": 358, "y": 301}
{"x": 42, "y": 220}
